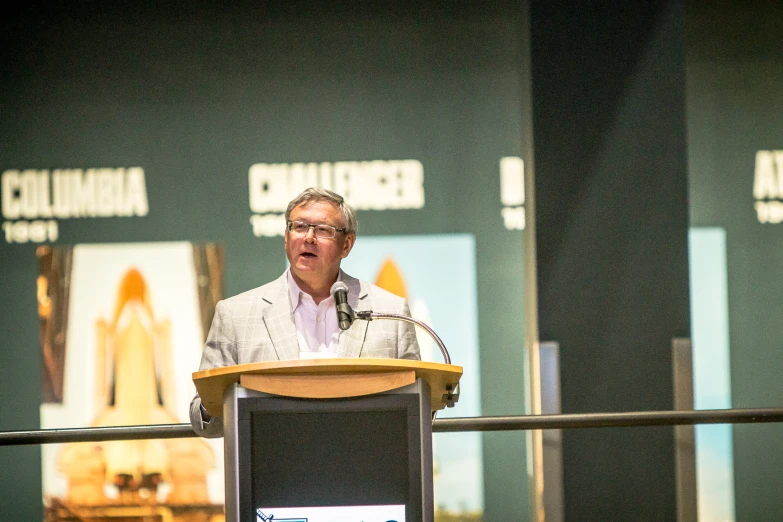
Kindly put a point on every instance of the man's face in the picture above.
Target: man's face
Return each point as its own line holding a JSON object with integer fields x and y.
{"x": 313, "y": 259}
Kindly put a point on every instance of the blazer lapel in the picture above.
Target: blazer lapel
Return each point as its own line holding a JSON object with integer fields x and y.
{"x": 352, "y": 340}
{"x": 279, "y": 321}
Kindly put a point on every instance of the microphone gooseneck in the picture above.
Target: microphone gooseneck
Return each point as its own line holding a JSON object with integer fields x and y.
{"x": 369, "y": 315}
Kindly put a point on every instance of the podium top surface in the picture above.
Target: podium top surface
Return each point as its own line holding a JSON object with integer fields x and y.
{"x": 211, "y": 383}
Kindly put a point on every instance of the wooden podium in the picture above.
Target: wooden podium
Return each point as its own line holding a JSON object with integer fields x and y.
{"x": 328, "y": 432}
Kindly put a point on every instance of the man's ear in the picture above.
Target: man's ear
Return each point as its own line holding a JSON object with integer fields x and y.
{"x": 350, "y": 239}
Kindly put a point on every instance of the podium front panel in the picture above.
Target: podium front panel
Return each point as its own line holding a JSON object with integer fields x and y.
{"x": 299, "y": 453}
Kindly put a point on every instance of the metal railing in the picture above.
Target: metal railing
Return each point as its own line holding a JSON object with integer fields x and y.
{"x": 500, "y": 423}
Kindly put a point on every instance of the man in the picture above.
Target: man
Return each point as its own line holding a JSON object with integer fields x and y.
{"x": 294, "y": 316}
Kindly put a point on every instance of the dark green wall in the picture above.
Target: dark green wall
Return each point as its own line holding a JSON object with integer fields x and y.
{"x": 735, "y": 109}
{"x": 611, "y": 227}
{"x": 195, "y": 95}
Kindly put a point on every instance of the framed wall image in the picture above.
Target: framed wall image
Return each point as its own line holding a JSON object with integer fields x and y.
{"x": 122, "y": 327}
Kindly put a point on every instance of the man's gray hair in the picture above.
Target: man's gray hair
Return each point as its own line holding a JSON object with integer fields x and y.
{"x": 314, "y": 195}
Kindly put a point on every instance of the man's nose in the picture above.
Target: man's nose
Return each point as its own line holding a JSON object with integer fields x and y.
{"x": 310, "y": 235}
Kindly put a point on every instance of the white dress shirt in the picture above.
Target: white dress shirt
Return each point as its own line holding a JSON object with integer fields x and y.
{"x": 316, "y": 325}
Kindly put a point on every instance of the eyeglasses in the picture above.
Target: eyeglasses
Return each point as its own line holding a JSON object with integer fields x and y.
{"x": 321, "y": 231}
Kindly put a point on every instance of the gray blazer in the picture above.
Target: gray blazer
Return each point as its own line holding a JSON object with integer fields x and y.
{"x": 258, "y": 325}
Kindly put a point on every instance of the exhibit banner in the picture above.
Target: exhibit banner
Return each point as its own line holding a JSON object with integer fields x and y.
{"x": 145, "y": 175}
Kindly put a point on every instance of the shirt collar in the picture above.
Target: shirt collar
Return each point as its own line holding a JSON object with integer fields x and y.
{"x": 295, "y": 293}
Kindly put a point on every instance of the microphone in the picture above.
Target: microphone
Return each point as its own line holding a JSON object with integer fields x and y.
{"x": 344, "y": 313}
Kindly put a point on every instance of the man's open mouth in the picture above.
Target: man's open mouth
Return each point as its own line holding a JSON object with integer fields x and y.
{"x": 308, "y": 254}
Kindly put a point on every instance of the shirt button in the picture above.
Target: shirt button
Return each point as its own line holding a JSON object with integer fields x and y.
{"x": 318, "y": 319}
